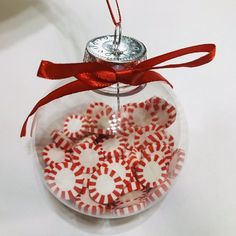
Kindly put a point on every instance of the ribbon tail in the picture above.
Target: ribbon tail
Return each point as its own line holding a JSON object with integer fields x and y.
{"x": 54, "y": 71}
{"x": 70, "y": 88}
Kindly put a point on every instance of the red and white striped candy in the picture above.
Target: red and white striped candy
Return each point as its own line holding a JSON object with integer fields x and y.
{"x": 86, "y": 178}
{"x": 61, "y": 140}
{"x": 65, "y": 180}
{"x": 165, "y": 112}
{"x": 151, "y": 171}
{"x": 46, "y": 172}
{"x": 113, "y": 147}
{"x": 128, "y": 135}
{"x": 88, "y": 139}
{"x": 130, "y": 198}
{"x": 74, "y": 126}
{"x": 160, "y": 191}
{"x": 105, "y": 122}
{"x": 105, "y": 186}
{"x": 95, "y": 108}
{"x": 53, "y": 155}
{"x": 163, "y": 151}
{"x": 131, "y": 210}
{"x": 133, "y": 185}
{"x": 147, "y": 135}
{"x": 176, "y": 163}
{"x": 163, "y": 136}
{"x": 88, "y": 155}
{"x": 138, "y": 115}
{"x": 168, "y": 138}
{"x": 120, "y": 166}
{"x": 85, "y": 204}
{"x": 132, "y": 157}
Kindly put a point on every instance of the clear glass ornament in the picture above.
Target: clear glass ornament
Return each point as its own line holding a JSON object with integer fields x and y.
{"x": 155, "y": 96}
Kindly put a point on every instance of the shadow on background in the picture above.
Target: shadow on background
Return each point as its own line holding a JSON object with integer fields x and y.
{"x": 21, "y": 18}
{"x": 18, "y": 20}
{"x": 99, "y": 226}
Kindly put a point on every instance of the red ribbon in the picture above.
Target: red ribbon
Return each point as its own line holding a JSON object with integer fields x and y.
{"x": 94, "y": 75}
{"x": 116, "y": 23}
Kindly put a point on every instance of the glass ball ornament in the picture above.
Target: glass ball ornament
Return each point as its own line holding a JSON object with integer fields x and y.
{"x": 113, "y": 152}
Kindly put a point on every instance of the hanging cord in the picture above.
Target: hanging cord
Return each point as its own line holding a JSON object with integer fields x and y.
{"x": 117, "y": 40}
{"x": 116, "y": 23}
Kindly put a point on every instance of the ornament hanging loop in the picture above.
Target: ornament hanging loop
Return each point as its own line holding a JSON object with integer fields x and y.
{"x": 117, "y": 38}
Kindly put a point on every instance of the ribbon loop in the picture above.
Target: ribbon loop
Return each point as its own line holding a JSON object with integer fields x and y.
{"x": 152, "y": 63}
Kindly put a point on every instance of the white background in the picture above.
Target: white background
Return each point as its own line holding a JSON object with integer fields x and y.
{"x": 203, "y": 202}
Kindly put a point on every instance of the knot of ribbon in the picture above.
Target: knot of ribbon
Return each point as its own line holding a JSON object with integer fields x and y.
{"x": 95, "y": 75}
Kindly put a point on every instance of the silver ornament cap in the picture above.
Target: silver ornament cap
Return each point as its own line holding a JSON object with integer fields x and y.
{"x": 122, "y": 55}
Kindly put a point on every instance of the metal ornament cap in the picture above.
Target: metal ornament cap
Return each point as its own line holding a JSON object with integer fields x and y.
{"x": 129, "y": 52}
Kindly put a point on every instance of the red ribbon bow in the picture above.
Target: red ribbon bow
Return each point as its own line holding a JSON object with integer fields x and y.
{"x": 94, "y": 75}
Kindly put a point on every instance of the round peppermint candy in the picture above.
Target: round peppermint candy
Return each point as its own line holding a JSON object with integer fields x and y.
{"x": 161, "y": 149}
{"x": 105, "y": 186}
{"x": 86, "y": 178}
{"x": 176, "y": 163}
{"x": 131, "y": 186}
{"x": 89, "y": 139}
{"x": 46, "y": 172}
{"x": 147, "y": 135}
{"x": 151, "y": 171}
{"x": 74, "y": 126}
{"x": 165, "y": 112}
{"x": 132, "y": 157}
{"x": 105, "y": 122}
{"x": 88, "y": 155}
{"x": 61, "y": 140}
{"x": 128, "y": 135}
{"x": 167, "y": 138}
{"x": 53, "y": 155}
{"x": 138, "y": 115}
{"x": 159, "y": 136}
{"x": 131, "y": 209}
{"x": 65, "y": 180}
{"x": 87, "y": 205}
{"x": 113, "y": 146}
{"x": 130, "y": 198}
{"x": 95, "y": 108}
{"x": 121, "y": 167}
{"x": 158, "y": 192}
